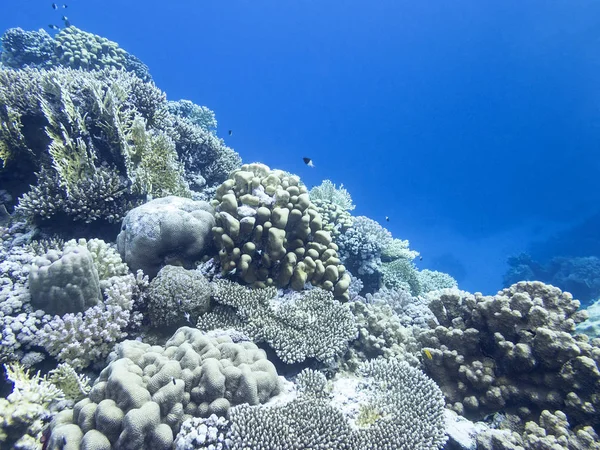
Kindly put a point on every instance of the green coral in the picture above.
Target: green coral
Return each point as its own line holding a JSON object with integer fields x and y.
{"x": 74, "y": 385}
{"x": 99, "y": 142}
{"x": 23, "y": 412}
{"x": 269, "y": 234}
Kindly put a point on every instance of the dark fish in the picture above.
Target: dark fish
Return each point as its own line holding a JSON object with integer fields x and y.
{"x": 65, "y": 6}
{"x": 230, "y": 132}
{"x": 66, "y": 20}
{"x": 53, "y": 27}
{"x": 308, "y": 162}
{"x": 387, "y": 219}
{"x": 54, "y": 6}
{"x": 173, "y": 380}
{"x": 420, "y": 258}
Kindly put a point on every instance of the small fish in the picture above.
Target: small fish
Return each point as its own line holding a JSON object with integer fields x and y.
{"x": 173, "y": 380}
{"x": 232, "y": 271}
{"x": 420, "y": 258}
{"x": 66, "y": 21}
{"x": 65, "y": 6}
{"x": 53, "y": 27}
{"x": 230, "y": 132}
{"x": 187, "y": 316}
{"x": 259, "y": 251}
{"x": 64, "y": 441}
{"x": 54, "y": 6}
{"x": 427, "y": 353}
{"x": 308, "y": 162}
{"x": 387, "y": 219}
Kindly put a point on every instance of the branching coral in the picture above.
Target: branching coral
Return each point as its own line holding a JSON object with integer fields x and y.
{"x": 327, "y": 191}
{"x": 407, "y": 411}
{"x": 23, "y": 412}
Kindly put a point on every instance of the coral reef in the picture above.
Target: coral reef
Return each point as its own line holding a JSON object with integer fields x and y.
{"x": 144, "y": 395}
{"x": 327, "y": 192}
{"x": 269, "y": 234}
{"x": 591, "y": 326}
{"x": 25, "y": 411}
{"x": 577, "y": 275}
{"x": 65, "y": 283}
{"x": 92, "y": 139}
{"x": 200, "y": 433}
{"x": 380, "y": 333}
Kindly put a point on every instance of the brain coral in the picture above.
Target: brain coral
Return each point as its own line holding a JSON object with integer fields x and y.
{"x": 141, "y": 399}
{"x": 270, "y": 234}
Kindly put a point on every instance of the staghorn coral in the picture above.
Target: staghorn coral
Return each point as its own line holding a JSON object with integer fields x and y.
{"x": 269, "y": 234}
{"x": 297, "y": 327}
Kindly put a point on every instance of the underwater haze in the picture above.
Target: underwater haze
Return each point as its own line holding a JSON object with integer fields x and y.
{"x": 473, "y": 126}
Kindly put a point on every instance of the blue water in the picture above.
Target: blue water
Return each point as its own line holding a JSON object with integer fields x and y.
{"x": 474, "y": 126}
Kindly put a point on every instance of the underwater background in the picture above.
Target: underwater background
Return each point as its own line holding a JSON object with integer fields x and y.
{"x": 473, "y": 126}
{"x": 299, "y": 225}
